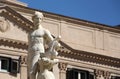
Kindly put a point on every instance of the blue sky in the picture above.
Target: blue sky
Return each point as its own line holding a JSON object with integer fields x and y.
{"x": 100, "y": 11}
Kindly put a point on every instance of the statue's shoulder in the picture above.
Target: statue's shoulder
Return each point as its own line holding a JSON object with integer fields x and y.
{"x": 46, "y": 31}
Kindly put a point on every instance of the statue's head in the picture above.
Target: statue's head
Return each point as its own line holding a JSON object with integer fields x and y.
{"x": 37, "y": 18}
{"x": 38, "y": 15}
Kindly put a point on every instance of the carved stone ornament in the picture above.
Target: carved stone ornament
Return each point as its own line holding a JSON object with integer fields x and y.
{"x": 23, "y": 60}
{"x": 62, "y": 66}
{"x": 100, "y": 74}
{"x": 4, "y": 25}
{"x": 106, "y": 75}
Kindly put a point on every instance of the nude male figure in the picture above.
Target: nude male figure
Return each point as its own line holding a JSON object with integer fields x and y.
{"x": 36, "y": 40}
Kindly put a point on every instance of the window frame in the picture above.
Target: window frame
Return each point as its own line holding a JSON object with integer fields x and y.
{"x": 7, "y": 69}
{"x": 11, "y": 63}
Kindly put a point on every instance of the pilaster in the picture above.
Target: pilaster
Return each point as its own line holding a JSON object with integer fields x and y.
{"x": 101, "y": 74}
{"x": 23, "y": 67}
{"x": 106, "y": 75}
{"x": 63, "y": 67}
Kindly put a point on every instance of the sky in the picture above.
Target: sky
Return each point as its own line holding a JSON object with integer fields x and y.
{"x": 100, "y": 11}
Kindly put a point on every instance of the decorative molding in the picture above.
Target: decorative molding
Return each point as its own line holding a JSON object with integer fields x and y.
{"x": 23, "y": 60}
{"x": 13, "y": 2}
{"x": 13, "y": 43}
{"x": 107, "y": 75}
{"x": 69, "y": 52}
{"x": 4, "y": 25}
{"x": 62, "y": 66}
{"x": 98, "y": 74}
{"x": 101, "y": 73}
{"x": 17, "y": 18}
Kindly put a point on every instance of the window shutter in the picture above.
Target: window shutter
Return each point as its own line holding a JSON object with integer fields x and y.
{"x": 117, "y": 78}
{"x": 69, "y": 74}
{"x": 14, "y": 66}
{"x": 9, "y": 65}
{"x": 91, "y": 76}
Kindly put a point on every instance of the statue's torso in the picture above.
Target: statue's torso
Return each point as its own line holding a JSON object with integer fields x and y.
{"x": 36, "y": 40}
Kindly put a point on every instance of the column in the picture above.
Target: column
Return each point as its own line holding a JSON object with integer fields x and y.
{"x": 23, "y": 67}
{"x": 63, "y": 67}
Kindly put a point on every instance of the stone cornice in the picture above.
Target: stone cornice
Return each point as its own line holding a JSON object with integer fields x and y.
{"x": 69, "y": 52}
{"x": 12, "y": 15}
{"x": 13, "y": 43}
{"x": 81, "y": 22}
{"x": 66, "y": 51}
{"x": 16, "y": 3}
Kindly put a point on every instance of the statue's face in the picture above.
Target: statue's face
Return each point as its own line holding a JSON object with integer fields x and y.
{"x": 37, "y": 20}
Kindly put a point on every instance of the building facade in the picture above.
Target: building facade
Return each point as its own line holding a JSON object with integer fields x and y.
{"x": 89, "y": 50}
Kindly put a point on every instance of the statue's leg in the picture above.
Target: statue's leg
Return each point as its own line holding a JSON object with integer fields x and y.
{"x": 33, "y": 69}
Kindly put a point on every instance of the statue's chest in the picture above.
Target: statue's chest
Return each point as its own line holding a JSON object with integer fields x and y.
{"x": 37, "y": 33}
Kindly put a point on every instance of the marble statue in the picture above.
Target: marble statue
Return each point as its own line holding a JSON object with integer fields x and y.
{"x": 51, "y": 53}
{"x": 44, "y": 66}
{"x": 46, "y": 63}
{"x": 40, "y": 61}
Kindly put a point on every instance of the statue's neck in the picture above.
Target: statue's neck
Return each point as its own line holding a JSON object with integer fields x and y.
{"x": 38, "y": 26}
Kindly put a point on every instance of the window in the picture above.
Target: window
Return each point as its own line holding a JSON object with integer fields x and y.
{"x": 9, "y": 65}
{"x": 14, "y": 66}
{"x": 78, "y": 74}
{"x": 4, "y": 64}
{"x": 115, "y": 77}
